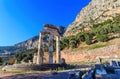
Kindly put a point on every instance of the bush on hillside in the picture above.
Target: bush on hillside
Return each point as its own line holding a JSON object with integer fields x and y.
{"x": 11, "y": 61}
{"x": 102, "y": 38}
{"x": 73, "y": 42}
{"x": 26, "y": 55}
{"x": 88, "y": 38}
{"x": 101, "y": 31}
{"x": 80, "y": 37}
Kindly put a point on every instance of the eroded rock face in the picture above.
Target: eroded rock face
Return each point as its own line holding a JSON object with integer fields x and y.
{"x": 29, "y": 44}
{"x": 95, "y": 12}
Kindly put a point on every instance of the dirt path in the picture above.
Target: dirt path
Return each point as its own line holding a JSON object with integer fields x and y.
{"x": 60, "y": 75}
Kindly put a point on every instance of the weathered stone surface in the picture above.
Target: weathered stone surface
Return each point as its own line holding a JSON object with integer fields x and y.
{"x": 91, "y": 55}
{"x": 28, "y": 67}
{"x": 96, "y": 11}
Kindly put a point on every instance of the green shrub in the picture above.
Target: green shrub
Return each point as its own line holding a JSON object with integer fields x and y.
{"x": 96, "y": 46}
{"x": 81, "y": 37}
{"x": 102, "y": 38}
{"x": 11, "y": 61}
{"x": 100, "y": 31}
{"x": 88, "y": 38}
{"x": 73, "y": 42}
{"x": 115, "y": 0}
{"x": 62, "y": 45}
{"x": 65, "y": 42}
{"x": 26, "y": 55}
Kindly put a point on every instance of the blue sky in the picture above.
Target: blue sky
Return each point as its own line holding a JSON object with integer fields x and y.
{"x": 23, "y": 19}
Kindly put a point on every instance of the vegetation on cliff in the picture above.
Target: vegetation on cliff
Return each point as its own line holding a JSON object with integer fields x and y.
{"x": 26, "y": 55}
{"x": 96, "y": 11}
{"x": 100, "y": 32}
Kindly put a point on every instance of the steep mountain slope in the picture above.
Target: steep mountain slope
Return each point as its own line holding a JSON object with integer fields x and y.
{"x": 29, "y": 44}
{"x": 95, "y": 12}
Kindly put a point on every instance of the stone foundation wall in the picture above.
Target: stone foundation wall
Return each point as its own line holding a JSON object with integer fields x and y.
{"x": 18, "y": 67}
{"x": 91, "y": 55}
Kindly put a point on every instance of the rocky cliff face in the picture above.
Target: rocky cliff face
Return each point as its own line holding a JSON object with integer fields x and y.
{"x": 95, "y": 12}
{"x": 28, "y": 44}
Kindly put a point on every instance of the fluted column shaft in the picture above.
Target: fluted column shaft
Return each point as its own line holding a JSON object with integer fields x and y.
{"x": 58, "y": 54}
{"x": 40, "y": 52}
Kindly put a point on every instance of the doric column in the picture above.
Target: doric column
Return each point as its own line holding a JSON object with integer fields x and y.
{"x": 50, "y": 59}
{"x": 58, "y": 55}
{"x": 40, "y": 52}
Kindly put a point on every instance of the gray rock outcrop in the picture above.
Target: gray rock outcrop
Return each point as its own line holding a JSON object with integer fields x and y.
{"x": 95, "y": 12}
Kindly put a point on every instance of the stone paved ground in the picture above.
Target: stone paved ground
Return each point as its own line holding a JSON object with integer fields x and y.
{"x": 38, "y": 75}
{"x": 41, "y": 75}
{"x": 60, "y": 75}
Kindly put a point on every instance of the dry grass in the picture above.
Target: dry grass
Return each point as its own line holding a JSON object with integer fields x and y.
{"x": 84, "y": 46}
{"x": 81, "y": 53}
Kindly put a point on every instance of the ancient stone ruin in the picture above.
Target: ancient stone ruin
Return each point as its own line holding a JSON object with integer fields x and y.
{"x": 52, "y": 32}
